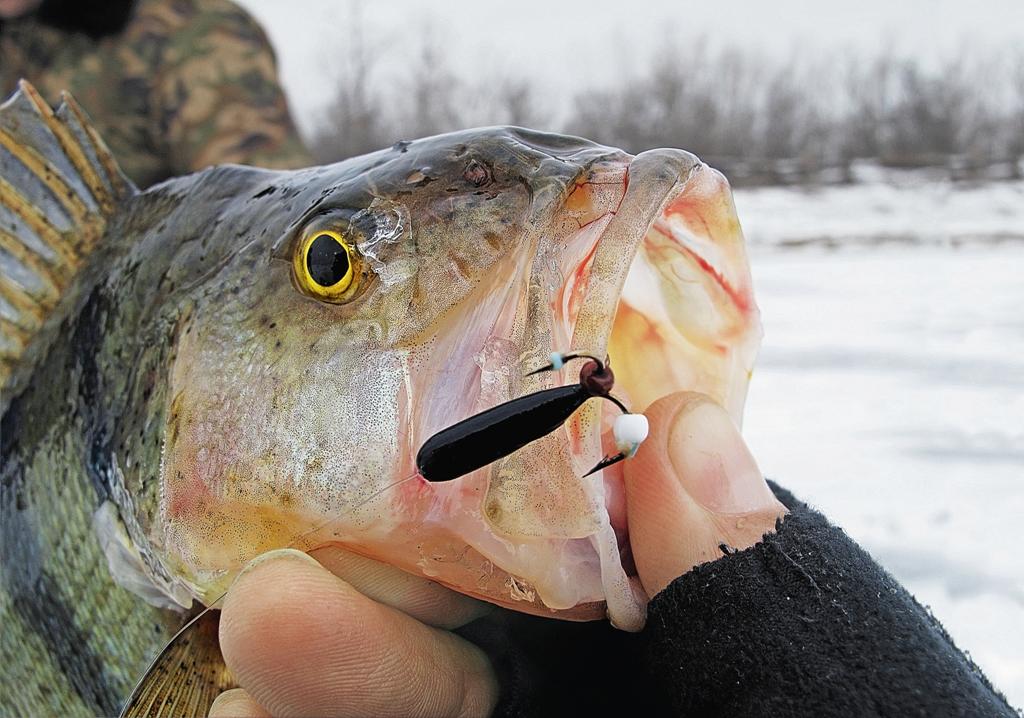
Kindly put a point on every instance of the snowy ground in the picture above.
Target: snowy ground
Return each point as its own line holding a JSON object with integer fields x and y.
{"x": 916, "y": 208}
{"x": 890, "y": 389}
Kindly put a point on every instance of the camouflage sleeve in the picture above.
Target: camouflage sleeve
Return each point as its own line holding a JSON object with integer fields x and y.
{"x": 218, "y": 94}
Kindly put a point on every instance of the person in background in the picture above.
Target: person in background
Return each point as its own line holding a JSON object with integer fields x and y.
{"x": 172, "y": 85}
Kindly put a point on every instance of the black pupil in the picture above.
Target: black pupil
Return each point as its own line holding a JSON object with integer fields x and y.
{"x": 327, "y": 261}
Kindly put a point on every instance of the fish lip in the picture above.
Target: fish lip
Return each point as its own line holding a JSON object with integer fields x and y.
{"x": 652, "y": 180}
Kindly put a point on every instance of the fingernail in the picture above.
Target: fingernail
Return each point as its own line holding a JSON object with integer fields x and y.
{"x": 713, "y": 462}
{"x": 281, "y": 554}
{"x": 230, "y": 703}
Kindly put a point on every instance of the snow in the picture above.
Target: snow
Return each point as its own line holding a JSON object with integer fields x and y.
{"x": 889, "y": 391}
{"x": 909, "y": 208}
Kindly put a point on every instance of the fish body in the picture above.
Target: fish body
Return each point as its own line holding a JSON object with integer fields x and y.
{"x": 249, "y": 359}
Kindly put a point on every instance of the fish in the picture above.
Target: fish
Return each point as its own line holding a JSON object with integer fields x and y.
{"x": 242, "y": 359}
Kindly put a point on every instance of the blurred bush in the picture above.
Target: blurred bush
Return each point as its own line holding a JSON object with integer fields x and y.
{"x": 761, "y": 119}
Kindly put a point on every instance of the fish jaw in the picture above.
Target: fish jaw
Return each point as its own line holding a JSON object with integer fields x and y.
{"x": 637, "y": 260}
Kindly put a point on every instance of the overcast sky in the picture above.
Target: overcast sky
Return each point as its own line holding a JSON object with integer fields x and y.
{"x": 565, "y": 45}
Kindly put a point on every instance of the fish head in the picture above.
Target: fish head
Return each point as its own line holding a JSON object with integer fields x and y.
{"x": 327, "y": 322}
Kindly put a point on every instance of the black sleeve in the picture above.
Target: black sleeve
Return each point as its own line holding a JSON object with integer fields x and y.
{"x": 803, "y": 624}
{"x": 806, "y": 624}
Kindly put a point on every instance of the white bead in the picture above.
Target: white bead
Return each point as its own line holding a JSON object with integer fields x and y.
{"x": 630, "y": 430}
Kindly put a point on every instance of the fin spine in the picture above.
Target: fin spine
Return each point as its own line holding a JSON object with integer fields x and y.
{"x": 11, "y": 244}
{"x": 103, "y": 153}
{"x": 71, "y": 148}
{"x": 19, "y": 298}
{"x": 36, "y": 220}
{"x": 41, "y": 168}
{"x": 13, "y": 333}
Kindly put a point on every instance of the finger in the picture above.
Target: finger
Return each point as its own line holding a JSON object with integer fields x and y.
{"x": 418, "y": 597}
{"x": 303, "y": 642}
{"x": 236, "y": 703}
{"x": 692, "y": 486}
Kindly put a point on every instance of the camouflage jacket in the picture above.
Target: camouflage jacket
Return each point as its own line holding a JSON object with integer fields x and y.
{"x": 186, "y": 84}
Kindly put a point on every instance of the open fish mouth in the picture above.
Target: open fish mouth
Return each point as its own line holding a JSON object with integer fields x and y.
{"x": 642, "y": 262}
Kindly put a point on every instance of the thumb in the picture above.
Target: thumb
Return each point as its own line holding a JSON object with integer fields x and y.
{"x": 693, "y": 486}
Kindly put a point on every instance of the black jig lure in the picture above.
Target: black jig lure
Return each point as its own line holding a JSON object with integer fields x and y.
{"x": 501, "y": 430}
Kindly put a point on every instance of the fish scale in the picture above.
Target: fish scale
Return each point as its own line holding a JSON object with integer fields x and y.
{"x": 63, "y": 615}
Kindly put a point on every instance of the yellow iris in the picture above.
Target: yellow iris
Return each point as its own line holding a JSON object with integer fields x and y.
{"x": 326, "y": 267}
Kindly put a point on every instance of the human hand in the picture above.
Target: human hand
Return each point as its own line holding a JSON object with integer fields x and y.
{"x": 343, "y": 635}
{"x": 692, "y": 487}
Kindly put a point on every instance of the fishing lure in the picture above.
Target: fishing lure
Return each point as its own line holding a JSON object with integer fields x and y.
{"x": 497, "y": 432}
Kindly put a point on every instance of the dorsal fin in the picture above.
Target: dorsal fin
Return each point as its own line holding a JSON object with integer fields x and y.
{"x": 59, "y": 187}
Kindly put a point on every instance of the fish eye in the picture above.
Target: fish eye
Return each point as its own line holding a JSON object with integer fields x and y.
{"x": 327, "y": 267}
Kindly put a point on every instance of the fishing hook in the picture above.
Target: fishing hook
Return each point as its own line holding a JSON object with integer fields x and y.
{"x": 497, "y": 432}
